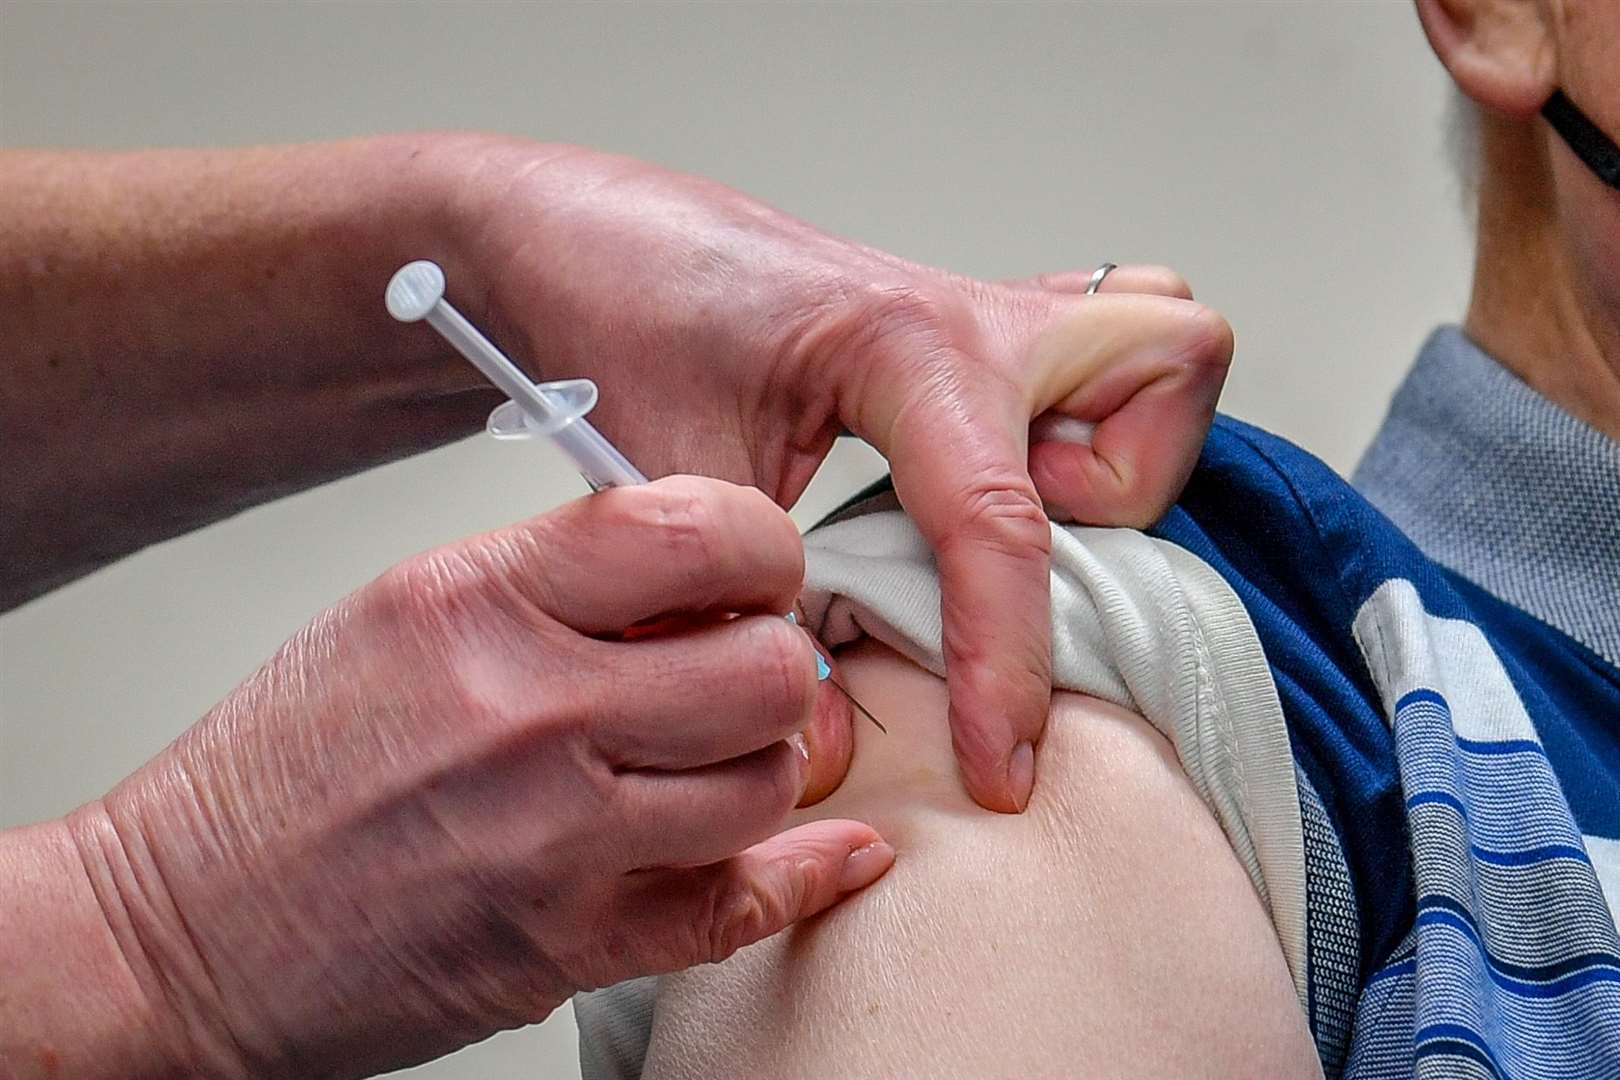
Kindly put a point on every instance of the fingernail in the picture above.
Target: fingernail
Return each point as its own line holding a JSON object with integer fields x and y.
{"x": 800, "y": 744}
{"x": 1021, "y": 774}
{"x": 865, "y": 865}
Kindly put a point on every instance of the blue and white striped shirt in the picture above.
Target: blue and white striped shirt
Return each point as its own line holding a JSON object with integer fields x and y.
{"x": 1451, "y": 685}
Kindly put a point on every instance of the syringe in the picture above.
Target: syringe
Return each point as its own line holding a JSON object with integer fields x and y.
{"x": 553, "y": 409}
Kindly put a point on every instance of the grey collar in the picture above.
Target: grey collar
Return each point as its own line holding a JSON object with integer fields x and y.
{"x": 1498, "y": 484}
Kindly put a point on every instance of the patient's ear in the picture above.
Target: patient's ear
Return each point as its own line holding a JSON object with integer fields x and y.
{"x": 1501, "y": 53}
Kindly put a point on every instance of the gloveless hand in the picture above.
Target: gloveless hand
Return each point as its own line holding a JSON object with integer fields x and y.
{"x": 732, "y": 340}
{"x": 463, "y": 793}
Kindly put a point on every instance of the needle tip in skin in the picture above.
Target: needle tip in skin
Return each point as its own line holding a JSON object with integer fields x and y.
{"x": 862, "y": 709}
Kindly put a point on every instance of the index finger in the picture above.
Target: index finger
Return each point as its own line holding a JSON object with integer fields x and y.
{"x": 683, "y": 544}
{"x": 1147, "y": 370}
{"x": 959, "y": 460}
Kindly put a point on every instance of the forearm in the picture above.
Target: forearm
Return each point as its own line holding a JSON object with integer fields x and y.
{"x": 75, "y": 1000}
{"x": 187, "y": 333}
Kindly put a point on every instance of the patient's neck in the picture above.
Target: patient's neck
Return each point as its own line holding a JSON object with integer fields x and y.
{"x": 1531, "y": 308}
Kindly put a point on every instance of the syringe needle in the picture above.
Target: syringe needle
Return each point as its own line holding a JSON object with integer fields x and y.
{"x": 864, "y": 711}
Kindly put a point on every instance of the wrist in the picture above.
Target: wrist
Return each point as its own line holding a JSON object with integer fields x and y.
{"x": 492, "y": 202}
{"x": 81, "y": 997}
{"x": 404, "y": 202}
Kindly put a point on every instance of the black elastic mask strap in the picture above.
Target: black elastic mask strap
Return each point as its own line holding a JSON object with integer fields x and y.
{"x": 1585, "y": 138}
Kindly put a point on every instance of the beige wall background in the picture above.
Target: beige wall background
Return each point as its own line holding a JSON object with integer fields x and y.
{"x": 1287, "y": 157}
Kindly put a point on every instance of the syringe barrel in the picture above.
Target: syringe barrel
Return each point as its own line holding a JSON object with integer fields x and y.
{"x": 417, "y": 291}
{"x": 597, "y": 460}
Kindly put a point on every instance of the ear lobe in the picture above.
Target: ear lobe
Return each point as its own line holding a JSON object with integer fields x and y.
{"x": 1501, "y": 53}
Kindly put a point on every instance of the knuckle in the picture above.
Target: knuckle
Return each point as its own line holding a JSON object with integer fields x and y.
{"x": 463, "y": 627}
{"x": 503, "y": 570}
{"x": 906, "y": 306}
{"x": 431, "y": 609}
{"x": 889, "y": 341}
{"x": 1211, "y": 335}
{"x": 906, "y": 315}
{"x": 1167, "y": 282}
{"x": 738, "y": 914}
{"x": 434, "y": 590}
{"x": 779, "y": 658}
{"x": 1005, "y": 514}
{"x": 609, "y": 952}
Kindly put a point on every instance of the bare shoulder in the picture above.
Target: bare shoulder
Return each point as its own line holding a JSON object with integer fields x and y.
{"x": 1109, "y": 931}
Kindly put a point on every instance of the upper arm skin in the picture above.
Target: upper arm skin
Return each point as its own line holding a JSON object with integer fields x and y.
{"x": 1108, "y": 931}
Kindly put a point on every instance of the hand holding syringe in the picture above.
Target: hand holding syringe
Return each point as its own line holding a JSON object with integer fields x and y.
{"x": 553, "y": 409}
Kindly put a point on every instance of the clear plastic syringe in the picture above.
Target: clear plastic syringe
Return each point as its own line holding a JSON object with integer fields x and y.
{"x": 553, "y": 409}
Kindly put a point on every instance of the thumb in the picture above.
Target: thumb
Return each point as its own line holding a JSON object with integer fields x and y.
{"x": 701, "y": 915}
{"x": 1142, "y": 375}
